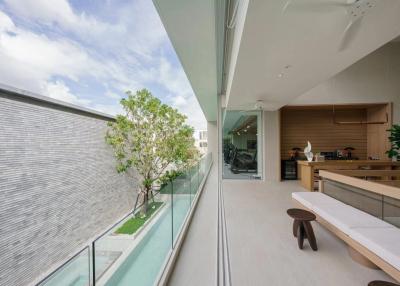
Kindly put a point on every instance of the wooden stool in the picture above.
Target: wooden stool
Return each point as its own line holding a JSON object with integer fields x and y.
{"x": 302, "y": 227}
{"x": 381, "y": 283}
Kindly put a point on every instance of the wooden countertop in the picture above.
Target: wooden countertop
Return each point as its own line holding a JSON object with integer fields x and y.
{"x": 350, "y": 162}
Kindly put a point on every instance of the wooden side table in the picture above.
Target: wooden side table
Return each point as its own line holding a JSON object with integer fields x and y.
{"x": 302, "y": 228}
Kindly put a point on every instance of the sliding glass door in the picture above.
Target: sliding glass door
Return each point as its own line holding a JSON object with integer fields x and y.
{"x": 241, "y": 144}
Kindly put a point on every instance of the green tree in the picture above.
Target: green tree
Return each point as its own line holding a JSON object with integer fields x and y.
{"x": 151, "y": 138}
{"x": 395, "y": 141}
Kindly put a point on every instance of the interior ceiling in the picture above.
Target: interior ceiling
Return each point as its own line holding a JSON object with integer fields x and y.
{"x": 284, "y": 52}
{"x": 248, "y": 125}
{"x": 234, "y": 119}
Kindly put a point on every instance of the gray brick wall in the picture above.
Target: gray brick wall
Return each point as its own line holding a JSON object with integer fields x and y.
{"x": 58, "y": 185}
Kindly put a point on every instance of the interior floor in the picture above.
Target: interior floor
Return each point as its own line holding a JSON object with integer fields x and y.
{"x": 228, "y": 174}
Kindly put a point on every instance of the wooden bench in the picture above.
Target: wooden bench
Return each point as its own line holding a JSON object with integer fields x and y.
{"x": 371, "y": 241}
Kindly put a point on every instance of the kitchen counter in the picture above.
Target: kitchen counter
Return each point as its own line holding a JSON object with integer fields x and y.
{"x": 308, "y": 171}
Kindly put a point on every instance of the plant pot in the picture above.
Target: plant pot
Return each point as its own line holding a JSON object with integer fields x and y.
{"x": 395, "y": 158}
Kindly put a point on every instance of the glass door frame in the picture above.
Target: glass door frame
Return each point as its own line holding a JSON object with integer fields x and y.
{"x": 259, "y": 175}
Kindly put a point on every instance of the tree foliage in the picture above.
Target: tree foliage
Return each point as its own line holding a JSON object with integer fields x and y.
{"x": 151, "y": 137}
{"x": 395, "y": 141}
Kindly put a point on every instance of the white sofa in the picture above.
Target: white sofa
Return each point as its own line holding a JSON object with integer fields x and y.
{"x": 377, "y": 236}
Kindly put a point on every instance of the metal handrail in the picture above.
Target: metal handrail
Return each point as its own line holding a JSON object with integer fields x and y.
{"x": 64, "y": 264}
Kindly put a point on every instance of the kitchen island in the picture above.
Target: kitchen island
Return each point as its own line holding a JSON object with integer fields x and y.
{"x": 308, "y": 171}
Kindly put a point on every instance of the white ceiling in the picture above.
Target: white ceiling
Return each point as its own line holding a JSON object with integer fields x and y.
{"x": 284, "y": 54}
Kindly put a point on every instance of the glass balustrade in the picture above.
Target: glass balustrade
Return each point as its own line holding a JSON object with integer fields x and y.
{"x": 136, "y": 249}
{"x": 381, "y": 206}
{"x": 74, "y": 272}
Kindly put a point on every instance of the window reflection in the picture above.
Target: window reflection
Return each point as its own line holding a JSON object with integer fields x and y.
{"x": 241, "y": 150}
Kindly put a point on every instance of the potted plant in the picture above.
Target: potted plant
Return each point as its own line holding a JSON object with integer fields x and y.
{"x": 395, "y": 142}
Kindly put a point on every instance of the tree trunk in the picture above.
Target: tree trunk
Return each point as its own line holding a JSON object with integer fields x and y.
{"x": 145, "y": 205}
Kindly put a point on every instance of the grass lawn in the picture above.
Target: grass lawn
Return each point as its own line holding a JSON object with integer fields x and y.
{"x": 133, "y": 224}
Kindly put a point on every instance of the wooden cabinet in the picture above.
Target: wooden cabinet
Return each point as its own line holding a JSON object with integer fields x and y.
{"x": 309, "y": 170}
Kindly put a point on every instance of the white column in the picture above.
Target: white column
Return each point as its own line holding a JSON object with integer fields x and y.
{"x": 272, "y": 140}
{"x": 212, "y": 139}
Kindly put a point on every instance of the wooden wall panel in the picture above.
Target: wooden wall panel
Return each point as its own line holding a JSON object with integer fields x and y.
{"x": 317, "y": 126}
{"x": 377, "y": 135}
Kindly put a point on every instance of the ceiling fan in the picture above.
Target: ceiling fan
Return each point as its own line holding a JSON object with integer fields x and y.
{"x": 355, "y": 12}
{"x": 259, "y": 105}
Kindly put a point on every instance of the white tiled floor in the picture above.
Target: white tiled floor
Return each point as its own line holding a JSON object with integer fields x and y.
{"x": 197, "y": 261}
{"x": 262, "y": 248}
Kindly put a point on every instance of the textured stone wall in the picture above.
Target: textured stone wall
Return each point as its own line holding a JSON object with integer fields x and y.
{"x": 58, "y": 185}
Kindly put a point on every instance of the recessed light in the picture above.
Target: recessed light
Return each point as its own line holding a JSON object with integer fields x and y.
{"x": 280, "y": 75}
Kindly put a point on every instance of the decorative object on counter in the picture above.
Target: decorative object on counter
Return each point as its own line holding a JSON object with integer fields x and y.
{"x": 294, "y": 153}
{"x": 339, "y": 154}
{"x": 394, "y": 138}
{"x": 348, "y": 152}
{"x": 319, "y": 157}
{"x": 307, "y": 152}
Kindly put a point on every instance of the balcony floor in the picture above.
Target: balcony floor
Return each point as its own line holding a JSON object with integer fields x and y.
{"x": 197, "y": 261}
{"x": 262, "y": 248}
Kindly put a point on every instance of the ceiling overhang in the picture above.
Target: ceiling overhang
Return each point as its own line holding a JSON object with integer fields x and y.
{"x": 284, "y": 53}
{"x": 192, "y": 28}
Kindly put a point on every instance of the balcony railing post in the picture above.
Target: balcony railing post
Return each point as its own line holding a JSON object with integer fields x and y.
{"x": 190, "y": 186}
{"x": 93, "y": 264}
{"x": 172, "y": 214}
{"x": 198, "y": 174}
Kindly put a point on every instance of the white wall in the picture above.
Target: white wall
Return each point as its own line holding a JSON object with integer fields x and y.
{"x": 375, "y": 78}
{"x": 271, "y": 145}
{"x": 212, "y": 139}
{"x": 58, "y": 185}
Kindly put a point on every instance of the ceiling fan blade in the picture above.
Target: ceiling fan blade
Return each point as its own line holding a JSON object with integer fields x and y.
{"x": 312, "y": 6}
{"x": 350, "y": 33}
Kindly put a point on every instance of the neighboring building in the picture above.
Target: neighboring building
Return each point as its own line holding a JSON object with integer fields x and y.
{"x": 201, "y": 140}
{"x": 58, "y": 183}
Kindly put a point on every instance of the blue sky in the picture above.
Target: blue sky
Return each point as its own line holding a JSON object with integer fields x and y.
{"x": 90, "y": 52}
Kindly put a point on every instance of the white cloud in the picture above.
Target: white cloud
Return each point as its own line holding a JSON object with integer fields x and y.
{"x": 60, "y": 12}
{"x": 112, "y": 95}
{"x": 58, "y": 90}
{"x": 136, "y": 18}
{"x": 179, "y": 100}
{"x": 112, "y": 109}
{"x": 43, "y": 57}
{"x": 181, "y": 93}
{"x": 124, "y": 55}
{"x": 6, "y": 24}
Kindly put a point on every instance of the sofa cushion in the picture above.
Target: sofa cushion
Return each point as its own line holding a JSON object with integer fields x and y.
{"x": 384, "y": 242}
{"x": 309, "y": 199}
{"x": 346, "y": 217}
